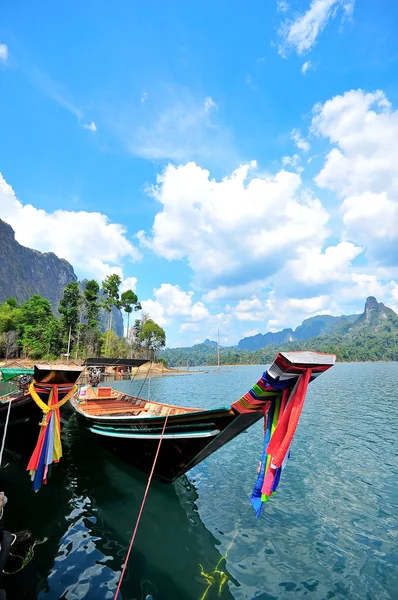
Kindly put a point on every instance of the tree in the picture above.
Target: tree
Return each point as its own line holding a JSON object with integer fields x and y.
{"x": 9, "y": 312}
{"x": 69, "y": 309}
{"x": 9, "y": 343}
{"x": 91, "y": 304}
{"x": 110, "y": 288}
{"x": 35, "y": 322}
{"x": 129, "y": 302}
{"x": 153, "y": 337}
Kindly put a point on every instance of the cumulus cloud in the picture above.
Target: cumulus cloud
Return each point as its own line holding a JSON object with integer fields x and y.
{"x": 171, "y": 302}
{"x": 301, "y": 34}
{"x": 290, "y": 312}
{"x": 362, "y": 168}
{"x": 322, "y": 267}
{"x": 236, "y": 230}
{"x": 3, "y": 53}
{"x": 94, "y": 246}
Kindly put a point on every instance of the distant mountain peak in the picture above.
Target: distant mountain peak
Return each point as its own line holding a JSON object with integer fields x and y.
{"x": 208, "y": 342}
{"x": 375, "y": 311}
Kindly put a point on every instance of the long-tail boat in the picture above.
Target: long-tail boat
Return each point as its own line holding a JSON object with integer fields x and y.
{"x": 15, "y": 399}
{"x": 134, "y": 426}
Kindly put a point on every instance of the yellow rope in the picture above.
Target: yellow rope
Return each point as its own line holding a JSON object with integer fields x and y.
{"x": 211, "y": 578}
{"x": 27, "y": 558}
{"x": 44, "y": 407}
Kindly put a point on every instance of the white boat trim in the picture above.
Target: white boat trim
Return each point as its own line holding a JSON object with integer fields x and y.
{"x": 156, "y": 436}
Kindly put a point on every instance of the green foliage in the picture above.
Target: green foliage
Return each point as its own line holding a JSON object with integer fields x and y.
{"x": 33, "y": 330}
{"x": 91, "y": 304}
{"x": 129, "y": 301}
{"x": 152, "y": 337}
{"x": 362, "y": 341}
{"x": 9, "y": 312}
{"x": 110, "y": 287}
{"x": 69, "y": 307}
{"x": 38, "y": 329}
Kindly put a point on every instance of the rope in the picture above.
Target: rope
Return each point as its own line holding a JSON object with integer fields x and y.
{"x": 5, "y": 432}
{"x": 47, "y": 408}
{"x": 140, "y": 513}
{"x": 27, "y": 558}
{"x": 143, "y": 383}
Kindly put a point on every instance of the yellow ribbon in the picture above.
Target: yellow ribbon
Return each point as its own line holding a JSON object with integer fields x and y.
{"x": 43, "y": 406}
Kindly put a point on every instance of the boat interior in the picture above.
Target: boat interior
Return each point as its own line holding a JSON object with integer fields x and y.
{"x": 104, "y": 401}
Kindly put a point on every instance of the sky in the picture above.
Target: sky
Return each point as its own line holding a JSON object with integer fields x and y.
{"x": 234, "y": 162}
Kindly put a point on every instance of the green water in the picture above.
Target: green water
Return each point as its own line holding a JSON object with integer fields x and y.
{"x": 330, "y": 532}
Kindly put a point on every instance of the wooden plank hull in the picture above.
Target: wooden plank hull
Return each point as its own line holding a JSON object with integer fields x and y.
{"x": 187, "y": 440}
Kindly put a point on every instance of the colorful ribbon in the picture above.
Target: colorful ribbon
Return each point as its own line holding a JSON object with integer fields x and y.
{"x": 48, "y": 448}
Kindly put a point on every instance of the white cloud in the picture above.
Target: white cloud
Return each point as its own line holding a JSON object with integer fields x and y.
{"x": 321, "y": 267}
{"x": 236, "y": 230}
{"x": 249, "y": 305}
{"x": 301, "y": 34}
{"x": 233, "y": 293}
{"x": 292, "y": 161}
{"x": 90, "y": 126}
{"x": 362, "y": 168}
{"x": 95, "y": 248}
{"x": 171, "y": 302}
{"x": 3, "y": 53}
{"x": 130, "y": 283}
{"x": 179, "y": 127}
{"x": 300, "y": 142}
{"x": 209, "y": 104}
{"x": 250, "y": 332}
{"x": 155, "y": 311}
{"x": 290, "y": 312}
{"x": 144, "y": 97}
{"x": 248, "y": 310}
{"x": 307, "y": 65}
{"x": 282, "y": 6}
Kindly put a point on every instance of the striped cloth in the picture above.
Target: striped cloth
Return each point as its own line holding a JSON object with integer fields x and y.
{"x": 280, "y": 395}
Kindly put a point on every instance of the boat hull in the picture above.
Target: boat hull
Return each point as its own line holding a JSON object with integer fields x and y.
{"x": 23, "y": 424}
{"x": 186, "y": 441}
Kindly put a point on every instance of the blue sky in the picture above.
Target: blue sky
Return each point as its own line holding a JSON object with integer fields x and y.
{"x": 234, "y": 162}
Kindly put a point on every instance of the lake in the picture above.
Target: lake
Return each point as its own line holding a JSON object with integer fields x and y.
{"x": 329, "y": 532}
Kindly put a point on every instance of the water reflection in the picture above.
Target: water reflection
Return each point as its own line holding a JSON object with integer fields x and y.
{"x": 88, "y": 512}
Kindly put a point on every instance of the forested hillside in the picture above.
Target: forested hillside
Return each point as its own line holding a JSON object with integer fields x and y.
{"x": 372, "y": 336}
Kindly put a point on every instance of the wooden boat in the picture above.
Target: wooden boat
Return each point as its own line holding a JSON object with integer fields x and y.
{"x": 134, "y": 426}
{"x": 15, "y": 397}
{"x": 23, "y": 423}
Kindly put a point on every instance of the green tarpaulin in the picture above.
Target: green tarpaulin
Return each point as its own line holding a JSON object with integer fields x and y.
{"x": 7, "y": 374}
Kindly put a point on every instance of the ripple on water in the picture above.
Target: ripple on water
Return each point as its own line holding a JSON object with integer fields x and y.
{"x": 330, "y": 532}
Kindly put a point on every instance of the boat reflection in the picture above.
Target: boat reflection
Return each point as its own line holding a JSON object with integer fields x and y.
{"x": 88, "y": 511}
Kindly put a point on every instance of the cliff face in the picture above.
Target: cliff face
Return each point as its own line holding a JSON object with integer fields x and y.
{"x": 24, "y": 272}
{"x": 376, "y": 314}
